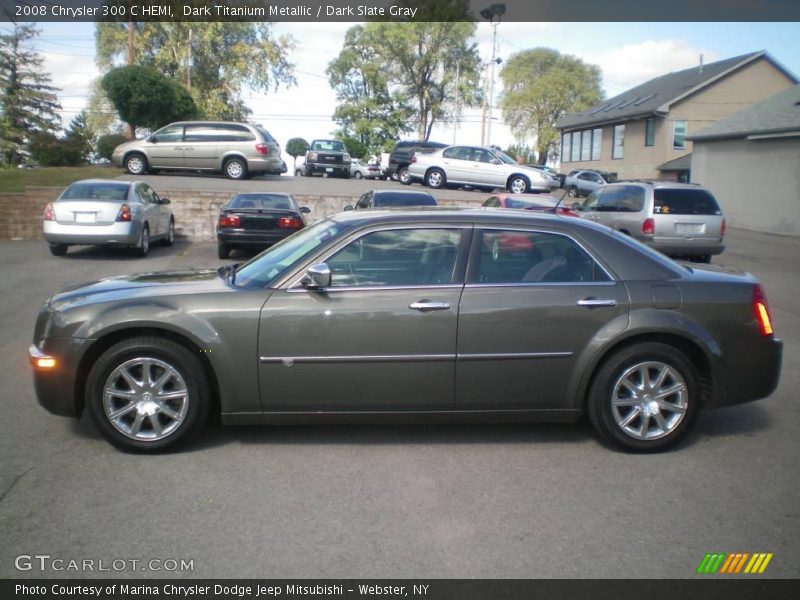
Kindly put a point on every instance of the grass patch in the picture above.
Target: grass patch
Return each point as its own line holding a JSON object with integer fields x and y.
{"x": 15, "y": 180}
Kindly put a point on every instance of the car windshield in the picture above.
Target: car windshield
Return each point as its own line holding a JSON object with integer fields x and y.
{"x": 504, "y": 157}
{"x": 683, "y": 201}
{"x": 404, "y": 200}
{"x": 543, "y": 202}
{"x": 268, "y": 201}
{"x": 112, "y": 192}
{"x": 262, "y": 269}
{"x": 331, "y": 145}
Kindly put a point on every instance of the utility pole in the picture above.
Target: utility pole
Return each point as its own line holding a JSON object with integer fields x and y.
{"x": 458, "y": 98}
{"x": 493, "y": 14}
{"x": 189, "y": 62}
{"x": 130, "y": 57}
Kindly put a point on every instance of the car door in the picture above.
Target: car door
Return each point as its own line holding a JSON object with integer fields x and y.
{"x": 534, "y": 303}
{"x": 457, "y": 162}
{"x": 380, "y": 337}
{"x": 487, "y": 169}
{"x": 203, "y": 145}
{"x": 162, "y": 210}
{"x": 165, "y": 147}
{"x": 150, "y": 209}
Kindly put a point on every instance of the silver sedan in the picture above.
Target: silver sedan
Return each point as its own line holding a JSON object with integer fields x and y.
{"x": 108, "y": 212}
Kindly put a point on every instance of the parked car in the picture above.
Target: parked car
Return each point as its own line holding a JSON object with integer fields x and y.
{"x": 401, "y": 154}
{"x": 679, "y": 219}
{"x": 475, "y": 166}
{"x": 108, "y": 212}
{"x": 582, "y": 182}
{"x": 361, "y": 170}
{"x": 258, "y": 220}
{"x": 409, "y": 315}
{"x": 238, "y": 150}
{"x": 534, "y": 202}
{"x": 328, "y": 158}
{"x": 554, "y": 180}
{"x": 393, "y": 199}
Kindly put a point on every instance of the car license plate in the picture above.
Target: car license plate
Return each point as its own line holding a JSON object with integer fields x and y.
{"x": 84, "y": 217}
{"x": 329, "y": 169}
{"x": 690, "y": 228}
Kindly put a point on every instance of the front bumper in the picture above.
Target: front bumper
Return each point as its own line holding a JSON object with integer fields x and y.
{"x": 328, "y": 168}
{"x": 57, "y": 387}
{"x": 123, "y": 233}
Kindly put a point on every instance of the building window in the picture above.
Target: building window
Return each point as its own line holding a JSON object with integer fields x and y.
{"x": 650, "y": 132}
{"x": 586, "y": 146}
{"x": 576, "y": 146}
{"x": 566, "y": 147}
{"x": 619, "y": 142}
{"x": 597, "y": 143}
{"x": 679, "y": 135}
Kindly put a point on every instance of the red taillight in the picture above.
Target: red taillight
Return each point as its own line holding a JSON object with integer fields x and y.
{"x": 290, "y": 223}
{"x": 413, "y": 158}
{"x": 761, "y": 309}
{"x": 722, "y": 229}
{"x": 649, "y": 226}
{"x": 262, "y": 149}
{"x": 124, "y": 213}
{"x": 229, "y": 221}
{"x": 49, "y": 215}
{"x": 568, "y": 212}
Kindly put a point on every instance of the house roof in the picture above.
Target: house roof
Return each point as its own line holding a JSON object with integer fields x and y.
{"x": 682, "y": 163}
{"x": 656, "y": 95}
{"x": 778, "y": 114}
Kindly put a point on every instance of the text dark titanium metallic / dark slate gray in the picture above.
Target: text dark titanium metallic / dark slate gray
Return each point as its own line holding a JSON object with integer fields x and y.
{"x": 434, "y": 314}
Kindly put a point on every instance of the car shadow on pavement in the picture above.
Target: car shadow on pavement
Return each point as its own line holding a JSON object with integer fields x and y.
{"x": 120, "y": 253}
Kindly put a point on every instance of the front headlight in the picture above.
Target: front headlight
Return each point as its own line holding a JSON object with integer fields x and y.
{"x": 346, "y": 158}
{"x": 312, "y": 156}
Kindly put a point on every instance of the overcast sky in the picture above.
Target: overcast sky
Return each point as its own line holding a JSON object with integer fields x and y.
{"x": 627, "y": 53}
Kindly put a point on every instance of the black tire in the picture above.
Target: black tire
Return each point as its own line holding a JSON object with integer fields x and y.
{"x": 358, "y": 175}
{"x": 136, "y": 163}
{"x": 404, "y": 177}
{"x": 143, "y": 247}
{"x": 705, "y": 258}
{"x": 572, "y": 191}
{"x": 223, "y": 250}
{"x": 235, "y": 168}
{"x": 518, "y": 184}
{"x": 435, "y": 179}
{"x": 299, "y": 173}
{"x": 169, "y": 239}
{"x": 58, "y": 249}
{"x": 609, "y": 420}
{"x": 190, "y": 378}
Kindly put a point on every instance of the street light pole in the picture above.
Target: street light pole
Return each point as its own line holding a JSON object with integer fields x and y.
{"x": 492, "y": 14}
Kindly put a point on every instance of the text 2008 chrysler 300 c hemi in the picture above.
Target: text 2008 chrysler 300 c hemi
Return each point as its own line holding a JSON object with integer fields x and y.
{"x": 444, "y": 314}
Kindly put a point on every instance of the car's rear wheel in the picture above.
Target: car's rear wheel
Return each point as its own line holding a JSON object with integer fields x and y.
{"x": 435, "y": 178}
{"x": 645, "y": 397}
{"x": 298, "y": 173}
{"x": 403, "y": 176}
{"x": 223, "y": 250}
{"x": 518, "y": 184}
{"x": 358, "y": 175}
{"x": 58, "y": 249}
{"x": 169, "y": 239}
{"x": 235, "y": 168}
{"x": 705, "y": 258}
{"x": 136, "y": 164}
{"x": 572, "y": 191}
{"x": 148, "y": 393}
{"x": 143, "y": 247}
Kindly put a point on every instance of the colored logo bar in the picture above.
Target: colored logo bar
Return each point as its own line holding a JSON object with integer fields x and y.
{"x": 734, "y": 563}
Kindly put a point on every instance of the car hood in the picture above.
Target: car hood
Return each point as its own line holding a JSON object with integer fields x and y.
{"x": 139, "y": 285}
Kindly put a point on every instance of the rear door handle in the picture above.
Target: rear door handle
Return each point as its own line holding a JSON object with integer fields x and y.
{"x": 425, "y": 305}
{"x": 596, "y": 302}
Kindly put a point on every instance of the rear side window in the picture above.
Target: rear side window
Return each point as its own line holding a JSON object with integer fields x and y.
{"x": 630, "y": 199}
{"x": 267, "y": 201}
{"x": 404, "y": 200}
{"x": 96, "y": 191}
{"x": 265, "y": 135}
{"x": 218, "y": 133}
{"x": 684, "y": 201}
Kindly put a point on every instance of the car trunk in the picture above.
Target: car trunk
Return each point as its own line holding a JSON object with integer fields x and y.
{"x": 260, "y": 219}
{"x": 86, "y": 212}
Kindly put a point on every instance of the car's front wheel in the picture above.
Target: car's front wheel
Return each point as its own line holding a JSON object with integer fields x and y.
{"x": 358, "y": 175}
{"x": 136, "y": 164}
{"x": 435, "y": 179}
{"x": 235, "y": 168}
{"x": 645, "y": 397}
{"x": 518, "y": 184}
{"x": 148, "y": 393}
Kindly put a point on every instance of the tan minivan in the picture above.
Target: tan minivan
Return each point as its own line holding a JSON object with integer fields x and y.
{"x": 238, "y": 150}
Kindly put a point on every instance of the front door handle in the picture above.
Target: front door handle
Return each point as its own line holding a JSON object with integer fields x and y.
{"x": 425, "y": 305}
{"x": 596, "y": 302}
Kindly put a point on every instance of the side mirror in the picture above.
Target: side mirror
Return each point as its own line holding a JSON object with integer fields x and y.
{"x": 348, "y": 207}
{"x": 152, "y": 139}
{"x": 495, "y": 161}
{"x": 305, "y": 210}
{"x": 317, "y": 277}
{"x": 165, "y": 201}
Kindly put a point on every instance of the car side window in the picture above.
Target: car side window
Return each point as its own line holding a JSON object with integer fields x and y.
{"x": 397, "y": 257}
{"x": 172, "y": 133}
{"x": 142, "y": 195}
{"x": 585, "y": 176}
{"x": 631, "y": 199}
{"x": 609, "y": 200}
{"x": 363, "y": 201}
{"x": 510, "y": 256}
{"x": 590, "y": 204}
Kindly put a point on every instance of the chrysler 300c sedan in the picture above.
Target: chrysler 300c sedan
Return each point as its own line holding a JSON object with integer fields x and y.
{"x": 434, "y": 314}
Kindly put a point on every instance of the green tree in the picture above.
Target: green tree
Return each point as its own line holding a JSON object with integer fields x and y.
{"x": 354, "y": 147}
{"x": 367, "y": 112}
{"x": 28, "y": 102}
{"x": 215, "y": 60}
{"x": 106, "y": 144}
{"x": 145, "y": 98}
{"x": 540, "y": 86}
{"x": 80, "y": 137}
{"x": 102, "y": 119}
{"x": 296, "y": 147}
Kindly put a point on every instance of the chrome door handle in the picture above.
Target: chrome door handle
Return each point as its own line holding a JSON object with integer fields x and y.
{"x": 424, "y": 305}
{"x": 596, "y": 302}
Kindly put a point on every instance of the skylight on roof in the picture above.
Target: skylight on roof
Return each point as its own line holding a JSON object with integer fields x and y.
{"x": 638, "y": 102}
{"x": 597, "y": 110}
{"x": 628, "y": 102}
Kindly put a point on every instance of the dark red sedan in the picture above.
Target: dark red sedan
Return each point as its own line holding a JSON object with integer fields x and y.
{"x": 534, "y": 202}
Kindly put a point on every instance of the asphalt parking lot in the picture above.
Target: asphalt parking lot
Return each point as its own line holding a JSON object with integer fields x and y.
{"x": 510, "y": 501}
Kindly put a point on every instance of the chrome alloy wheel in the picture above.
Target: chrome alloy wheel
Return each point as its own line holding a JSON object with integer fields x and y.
{"x": 649, "y": 400}
{"x": 145, "y": 399}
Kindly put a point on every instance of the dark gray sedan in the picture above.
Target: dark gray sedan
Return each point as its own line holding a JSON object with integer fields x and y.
{"x": 434, "y": 314}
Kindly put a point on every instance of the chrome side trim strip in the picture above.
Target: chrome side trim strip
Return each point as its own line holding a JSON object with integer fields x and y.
{"x": 288, "y": 361}
{"x": 514, "y": 355}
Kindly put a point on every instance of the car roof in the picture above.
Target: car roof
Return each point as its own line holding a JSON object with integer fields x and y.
{"x": 106, "y": 181}
{"x": 401, "y": 192}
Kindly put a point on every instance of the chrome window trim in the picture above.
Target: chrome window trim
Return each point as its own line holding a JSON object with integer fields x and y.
{"x": 288, "y": 361}
{"x": 367, "y": 288}
{"x": 611, "y": 277}
{"x": 540, "y": 284}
